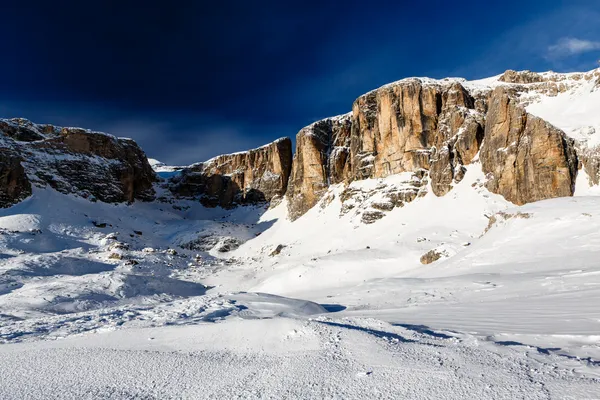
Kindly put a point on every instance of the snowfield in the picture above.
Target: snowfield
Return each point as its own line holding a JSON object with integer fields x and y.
{"x": 170, "y": 299}
{"x": 346, "y": 310}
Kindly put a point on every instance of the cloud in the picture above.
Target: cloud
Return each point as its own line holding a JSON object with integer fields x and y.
{"x": 568, "y": 46}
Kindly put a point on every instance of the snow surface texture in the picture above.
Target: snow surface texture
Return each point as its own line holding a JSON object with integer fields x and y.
{"x": 575, "y": 112}
{"x": 155, "y": 300}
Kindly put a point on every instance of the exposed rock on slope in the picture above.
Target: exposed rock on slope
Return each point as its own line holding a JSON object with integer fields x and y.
{"x": 14, "y": 185}
{"x": 249, "y": 177}
{"x": 590, "y": 158}
{"x": 395, "y": 127}
{"x": 438, "y": 126}
{"x": 322, "y": 158}
{"x": 409, "y": 126}
{"x": 73, "y": 160}
{"x": 527, "y": 159}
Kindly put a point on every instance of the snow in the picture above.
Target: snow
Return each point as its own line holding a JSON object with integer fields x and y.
{"x": 102, "y": 301}
{"x": 345, "y": 310}
{"x": 574, "y": 111}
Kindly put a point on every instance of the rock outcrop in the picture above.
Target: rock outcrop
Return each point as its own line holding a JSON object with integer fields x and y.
{"x": 14, "y": 185}
{"x": 251, "y": 177}
{"x": 525, "y": 157}
{"x": 590, "y": 158}
{"x": 322, "y": 158}
{"x": 522, "y": 77}
{"x": 398, "y": 128}
{"x": 409, "y": 126}
{"x": 74, "y": 161}
{"x": 424, "y": 132}
{"x": 435, "y": 129}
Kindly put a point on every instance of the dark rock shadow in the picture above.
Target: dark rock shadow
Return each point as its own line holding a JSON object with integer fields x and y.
{"x": 332, "y": 308}
{"x": 377, "y": 333}
{"x": 216, "y": 191}
{"x": 425, "y": 330}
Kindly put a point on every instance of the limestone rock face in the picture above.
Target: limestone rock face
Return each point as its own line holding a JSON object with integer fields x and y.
{"x": 511, "y": 76}
{"x": 250, "y": 177}
{"x": 322, "y": 158}
{"x": 526, "y": 158}
{"x": 590, "y": 158}
{"x": 81, "y": 162}
{"x": 14, "y": 185}
{"x": 411, "y": 124}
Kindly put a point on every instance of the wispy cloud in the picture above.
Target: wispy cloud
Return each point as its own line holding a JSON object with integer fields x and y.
{"x": 569, "y": 46}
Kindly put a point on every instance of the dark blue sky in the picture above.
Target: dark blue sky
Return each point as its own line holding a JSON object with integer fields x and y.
{"x": 192, "y": 79}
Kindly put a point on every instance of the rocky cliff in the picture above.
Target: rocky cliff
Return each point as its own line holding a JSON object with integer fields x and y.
{"x": 322, "y": 158}
{"x": 413, "y": 125}
{"x": 434, "y": 129}
{"x": 525, "y": 157}
{"x": 72, "y": 161}
{"x": 424, "y": 132}
{"x": 259, "y": 175}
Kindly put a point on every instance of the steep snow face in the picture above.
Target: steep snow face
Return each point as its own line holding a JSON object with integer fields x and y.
{"x": 574, "y": 111}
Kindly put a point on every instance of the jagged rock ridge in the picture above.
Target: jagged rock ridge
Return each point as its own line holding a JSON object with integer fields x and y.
{"x": 436, "y": 128}
{"x": 429, "y": 131}
{"x": 255, "y": 176}
{"x": 72, "y": 161}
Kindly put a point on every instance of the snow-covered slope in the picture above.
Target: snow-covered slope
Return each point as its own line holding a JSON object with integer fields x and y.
{"x": 168, "y": 299}
{"x": 574, "y": 111}
{"x": 510, "y": 311}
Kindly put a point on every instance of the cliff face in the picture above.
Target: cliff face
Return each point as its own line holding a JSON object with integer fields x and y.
{"x": 415, "y": 125}
{"x": 14, "y": 185}
{"x": 435, "y": 128}
{"x": 525, "y": 157}
{"x": 250, "y": 177}
{"x": 423, "y": 131}
{"x": 409, "y": 126}
{"x": 322, "y": 158}
{"x": 72, "y": 161}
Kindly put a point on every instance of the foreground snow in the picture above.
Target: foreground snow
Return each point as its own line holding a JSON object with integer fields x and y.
{"x": 287, "y": 358}
{"x": 346, "y": 310}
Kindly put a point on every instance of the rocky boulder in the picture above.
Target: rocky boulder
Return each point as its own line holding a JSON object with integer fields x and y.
{"x": 522, "y": 77}
{"x": 525, "y": 158}
{"x": 251, "y": 177}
